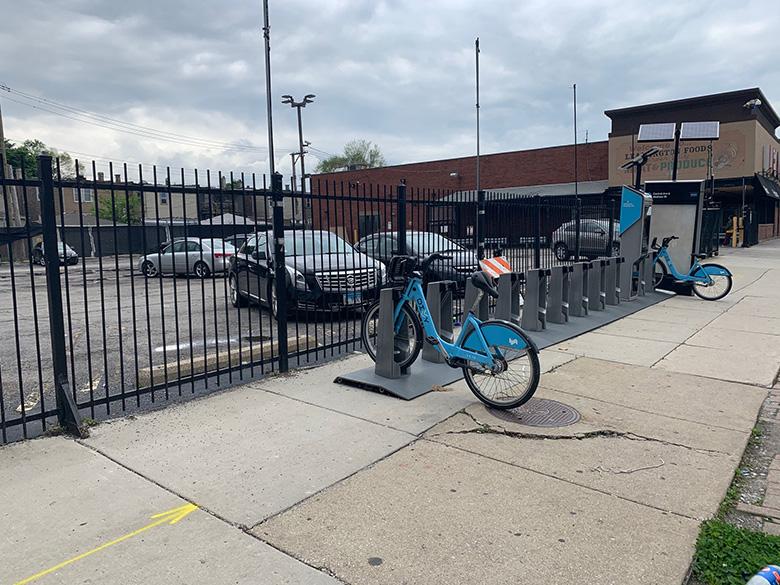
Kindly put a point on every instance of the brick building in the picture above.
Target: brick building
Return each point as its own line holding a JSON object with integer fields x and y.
{"x": 505, "y": 170}
{"x": 742, "y": 168}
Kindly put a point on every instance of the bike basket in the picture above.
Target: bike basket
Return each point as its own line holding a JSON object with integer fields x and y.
{"x": 401, "y": 267}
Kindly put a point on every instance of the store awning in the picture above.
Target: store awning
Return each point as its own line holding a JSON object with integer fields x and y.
{"x": 549, "y": 190}
{"x": 770, "y": 186}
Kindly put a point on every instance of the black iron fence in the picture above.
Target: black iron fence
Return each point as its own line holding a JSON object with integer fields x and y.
{"x": 128, "y": 289}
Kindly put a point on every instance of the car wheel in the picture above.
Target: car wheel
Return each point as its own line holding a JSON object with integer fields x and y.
{"x": 201, "y": 269}
{"x": 236, "y": 298}
{"x": 149, "y": 269}
{"x": 561, "y": 251}
{"x": 273, "y": 302}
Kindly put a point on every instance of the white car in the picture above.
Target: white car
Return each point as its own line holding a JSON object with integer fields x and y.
{"x": 201, "y": 257}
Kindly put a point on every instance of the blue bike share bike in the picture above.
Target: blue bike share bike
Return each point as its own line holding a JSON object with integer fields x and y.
{"x": 500, "y": 363}
{"x": 710, "y": 281}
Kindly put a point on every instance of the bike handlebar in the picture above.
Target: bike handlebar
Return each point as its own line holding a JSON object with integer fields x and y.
{"x": 432, "y": 258}
{"x": 664, "y": 242}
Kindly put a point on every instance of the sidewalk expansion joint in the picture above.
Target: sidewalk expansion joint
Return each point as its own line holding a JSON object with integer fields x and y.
{"x": 715, "y": 426}
{"x": 484, "y": 428}
{"x": 247, "y": 530}
{"x": 565, "y": 480}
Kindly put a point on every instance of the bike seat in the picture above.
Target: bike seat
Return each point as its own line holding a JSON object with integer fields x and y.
{"x": 481, "y": 281}
{"x": 699, "y": 256}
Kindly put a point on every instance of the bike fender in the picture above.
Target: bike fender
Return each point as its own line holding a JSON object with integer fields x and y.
{"x": 712, "y": 270}
{"x": 495, "y": 335}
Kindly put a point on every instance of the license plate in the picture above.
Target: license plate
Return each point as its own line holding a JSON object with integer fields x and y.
{"x": 353, "y": 297}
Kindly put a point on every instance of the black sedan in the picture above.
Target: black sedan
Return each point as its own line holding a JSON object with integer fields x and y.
{"x": 323, "y": 272}
{"x": 461, "y": 263}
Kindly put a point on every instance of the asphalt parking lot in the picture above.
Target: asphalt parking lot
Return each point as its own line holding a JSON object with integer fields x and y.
{"x": 124, "y": 331}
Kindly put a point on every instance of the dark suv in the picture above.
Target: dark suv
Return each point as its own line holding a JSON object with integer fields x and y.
{"x": 323, "y": 272}
{"x": 461, "y": 264}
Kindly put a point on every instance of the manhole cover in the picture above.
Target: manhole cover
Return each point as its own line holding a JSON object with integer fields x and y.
{"x": 540, "y": 412}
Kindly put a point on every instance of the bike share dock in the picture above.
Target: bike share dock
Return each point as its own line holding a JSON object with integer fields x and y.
{"x": 429, "y": 372}
{"x": 559, "y": 303}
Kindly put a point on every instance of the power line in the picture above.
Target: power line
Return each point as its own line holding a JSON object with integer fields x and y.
{"x": 84, "y": 116}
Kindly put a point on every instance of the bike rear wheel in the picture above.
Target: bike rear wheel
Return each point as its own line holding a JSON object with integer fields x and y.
{"x": 515, "y": 378}
{"x": 720, "y": 287}
{"x": 406, "y": 348}
{"x": 659, "y": 273}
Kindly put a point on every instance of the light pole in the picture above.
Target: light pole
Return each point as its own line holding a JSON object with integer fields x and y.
{"x": 307, "y": 99}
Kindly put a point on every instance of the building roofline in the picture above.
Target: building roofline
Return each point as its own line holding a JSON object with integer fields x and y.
{"x": 460, "y": 158}
{"x": 714, "y": 97}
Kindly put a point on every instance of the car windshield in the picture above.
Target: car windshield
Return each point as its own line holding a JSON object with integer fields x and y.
{"x": 319, "y": 242}
{"x": 429, "y": 242}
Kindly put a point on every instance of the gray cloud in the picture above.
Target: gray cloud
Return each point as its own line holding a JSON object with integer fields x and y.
{"x": 399, "y": 72}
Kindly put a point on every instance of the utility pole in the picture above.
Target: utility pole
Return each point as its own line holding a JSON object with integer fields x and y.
{"x": 2, "y": 145}
{"x": 269, "y": 105}
{"x": 577, "y": 203}
{"x": 476, "y": 49}
{"x": 294, "y": 178}
{"x": 11, "y": 208}
{"x": 298, "y": 105}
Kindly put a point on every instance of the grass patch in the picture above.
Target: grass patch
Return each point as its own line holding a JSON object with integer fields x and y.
{"x": 727, "y": 555}
{"x": 732, "y": 494}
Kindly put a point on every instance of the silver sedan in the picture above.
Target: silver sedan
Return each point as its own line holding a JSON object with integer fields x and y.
{"x": 201, "y": 257}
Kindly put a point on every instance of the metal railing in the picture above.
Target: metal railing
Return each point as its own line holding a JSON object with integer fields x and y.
{"x": 134, "y": 300}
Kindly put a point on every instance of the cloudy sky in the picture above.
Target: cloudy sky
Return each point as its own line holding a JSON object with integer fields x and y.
{"x": 399, "y": 73}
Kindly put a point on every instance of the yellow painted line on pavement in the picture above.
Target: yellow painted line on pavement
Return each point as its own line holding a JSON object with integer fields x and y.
{"x": 171, "y": 516}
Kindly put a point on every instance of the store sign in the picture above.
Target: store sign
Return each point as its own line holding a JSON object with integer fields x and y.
{"x": 727, "y": 157}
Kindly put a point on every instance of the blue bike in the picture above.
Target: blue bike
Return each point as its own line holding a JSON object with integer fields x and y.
{"x": 500, "y": 363}
{"x": 710, "y": 281}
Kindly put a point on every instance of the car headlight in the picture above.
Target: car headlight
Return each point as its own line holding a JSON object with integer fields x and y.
{"x": 297, "y": 278}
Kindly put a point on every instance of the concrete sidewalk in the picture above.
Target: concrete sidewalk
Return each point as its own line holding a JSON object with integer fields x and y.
{"x": 302, "y": 481}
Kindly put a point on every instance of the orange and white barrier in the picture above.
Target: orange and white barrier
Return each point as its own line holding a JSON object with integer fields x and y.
{"x": 495, "y": 267}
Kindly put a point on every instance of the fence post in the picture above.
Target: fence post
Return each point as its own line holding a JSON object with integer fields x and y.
{"x": 67, "y": 411}
{"x": 402, "y": 218}
{"x": 480, "y": 231}
{"x": 577, "y": 233}
{"x": 280, "y": 271}
{"x": 537, "y": 231}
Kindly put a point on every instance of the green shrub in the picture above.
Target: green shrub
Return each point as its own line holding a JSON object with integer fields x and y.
{"x": 727, "y": 555}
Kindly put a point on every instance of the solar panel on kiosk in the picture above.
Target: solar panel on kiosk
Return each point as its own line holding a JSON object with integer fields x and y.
{"x": 656, "y": 132}
{"x": 700, "y": 131}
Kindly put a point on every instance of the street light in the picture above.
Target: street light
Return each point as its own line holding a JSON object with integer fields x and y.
{"x": 307, "y": 99}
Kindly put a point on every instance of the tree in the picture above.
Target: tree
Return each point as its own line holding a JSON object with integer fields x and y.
{"x": 25, "y": 156}
{"x": 122, "y": 208}
{"x": 361, "y": 154}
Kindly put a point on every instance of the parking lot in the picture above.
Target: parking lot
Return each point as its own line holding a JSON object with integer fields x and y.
{"x": 124, "y": 331}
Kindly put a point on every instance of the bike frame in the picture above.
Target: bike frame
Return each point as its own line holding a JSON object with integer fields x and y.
{"x": 692, "y": 276}
{"x": 413, "y": 294}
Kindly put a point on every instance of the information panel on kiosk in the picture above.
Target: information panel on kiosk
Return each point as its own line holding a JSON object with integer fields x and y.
{"x": 668, "y": 192}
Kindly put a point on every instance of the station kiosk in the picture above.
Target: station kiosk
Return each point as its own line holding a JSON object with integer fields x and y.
{"x": 678, "y": 212}
{"x": 636, "y": 210}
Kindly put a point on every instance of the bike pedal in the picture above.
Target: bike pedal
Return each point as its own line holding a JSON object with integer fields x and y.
{"x": 432, "y": 340}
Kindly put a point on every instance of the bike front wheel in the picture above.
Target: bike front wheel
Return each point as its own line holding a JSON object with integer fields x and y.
{"x": 515, "y": 376}
{"x": 406, "y": 347}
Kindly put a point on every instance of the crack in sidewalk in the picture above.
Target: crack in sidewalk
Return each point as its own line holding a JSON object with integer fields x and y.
{"x": 484, "y": 428}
